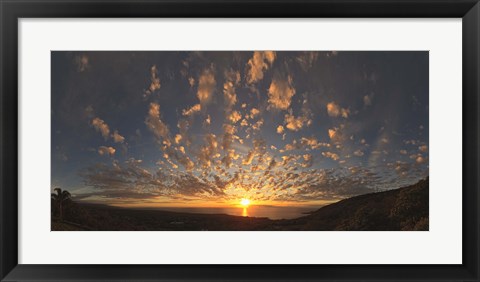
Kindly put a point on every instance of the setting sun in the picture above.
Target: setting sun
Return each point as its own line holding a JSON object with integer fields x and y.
{"x": 245, "y": 202}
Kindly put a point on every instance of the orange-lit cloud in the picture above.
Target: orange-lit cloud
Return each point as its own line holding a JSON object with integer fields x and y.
{"x": 332, "y": 133}
{"x": 234, "y": 117}
{"x": 206, "y": 87}
{"x": 156, "y": 125}
{"x": 423, "y": 148}
{"x": 296, "y": 123}
{"x": 117, "y": 138}
{"x": 154, "y": 81}
{"x": 232, "y": 79}
{"x": 280, "y": 93}
{"x": 191, "y": 111}
{"x": 334, "y": 110}
{"x": 260, "y": 62}
{"x": 280, "y": 129}
{"x": 102, "y": 127}
{"x": 358, "y": 153}
{"x": 331, "y": 155}
{"x": 107, "y": 151}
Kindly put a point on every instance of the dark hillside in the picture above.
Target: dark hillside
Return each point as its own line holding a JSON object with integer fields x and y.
{"x": 400, "y": 209}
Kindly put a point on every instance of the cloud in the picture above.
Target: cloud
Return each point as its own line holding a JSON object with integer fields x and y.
{"x": 178, "y": 138}
{"x": 117, "y": 138}
{"x": 280, "y": 129}
{"x": 367, "y": 99}
{"x": 331, "y": 155}
{"x": 156, "y": 125}
{"x": 228, "y": 136}
{"x": 280, "y": 93}
{"x": 290, "y": 158}
{"x": 206, "y": 87}
{"x": 154, "y": 81}
{"x": 313, "y": 143}
{"x": 249, "y": 158}
{"x": 358, "y": 153}
{"x": 308, "y": 160}
{"x": 259, "y": 63}
{"x": 191, "y": 111}
{"x": 259, "y": 149}
{"x": 254, "y": 112}
{"x": 107, "y": 151}
{"x": 184, "y": 126}
{"x": 420, "y": 159}
{"x": 258, "y": 124}
{"x": 185, "y": 161}
{"x": 332, "y": 133}
{"x": 296, "y": 123}
{"x": 207, "y": 121}
{"x": 307, "y": 59}
{"x": 102, "y": 127}
{"x": 82, "y": 62}
{"x": 229, "y": 96}
{"x": 129, "y": 180}
{"x": 191, "y": 81}
{"x": 334, "y": 110}
{"x": 230, "y": 157}
{"x": 234, "y": 117}
{"x": 207, "y": 151}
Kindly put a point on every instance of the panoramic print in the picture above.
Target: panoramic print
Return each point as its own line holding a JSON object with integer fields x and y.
{"x": 254, "y": 140}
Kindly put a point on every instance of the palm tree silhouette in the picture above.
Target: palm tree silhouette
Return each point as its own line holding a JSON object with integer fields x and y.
{"x": 60, "y": 198}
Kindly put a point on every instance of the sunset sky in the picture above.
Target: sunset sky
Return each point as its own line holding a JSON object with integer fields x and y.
{"x": 212, "y": 128}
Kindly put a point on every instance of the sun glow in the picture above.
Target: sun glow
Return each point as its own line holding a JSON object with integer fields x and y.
{"x": 245, "y": 202}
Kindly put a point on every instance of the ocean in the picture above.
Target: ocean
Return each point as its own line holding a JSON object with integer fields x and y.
{"x": 271, "y": 212}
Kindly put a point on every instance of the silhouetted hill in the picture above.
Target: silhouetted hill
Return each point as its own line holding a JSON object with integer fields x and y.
{"x": 400, "y": 209}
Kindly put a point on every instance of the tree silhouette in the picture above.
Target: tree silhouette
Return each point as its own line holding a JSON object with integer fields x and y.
{"x": 60, "y": 198}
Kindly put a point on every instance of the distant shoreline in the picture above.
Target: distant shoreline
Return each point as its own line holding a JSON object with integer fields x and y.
{"x": 403, "y": 209}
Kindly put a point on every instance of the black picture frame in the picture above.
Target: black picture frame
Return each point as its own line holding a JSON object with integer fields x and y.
{"x": 12, "y": 10}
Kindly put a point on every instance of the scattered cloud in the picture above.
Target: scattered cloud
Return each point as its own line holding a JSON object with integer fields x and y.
{"x": 280, "y": 93}
{"x": 106, "y": 151}
{"x": 156, "y": 125}
{"x": 154, "y": 81}
{"x": 254, "y": 112}
{"x": 191, "y": 82}
{"x": 191, "y": 111}
{"x": 334, "y": 110}
{"x": 206, "y": 87}
{"x": 307, "y": 59}
{"x": 234, "y": 117}
{"x": 358, "y": 153}
{"x": 117, "y": 138}
{"x": 101, "y": 127}
{"x": 367, "y": 99}
{"x": 232, "y": 79}
{"x": 82, "y": 62}
{"x": 260, "y": 62}
{"x": 296, "y": 123}
{"x": 280, "y": 129}
{"x": 331, "y": 155}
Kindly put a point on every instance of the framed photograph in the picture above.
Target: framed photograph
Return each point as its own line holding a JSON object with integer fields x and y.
{"x": 227, "y": 140}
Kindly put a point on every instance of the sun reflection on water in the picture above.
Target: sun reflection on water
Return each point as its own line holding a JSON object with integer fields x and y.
{"x": 245, "y": 212}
